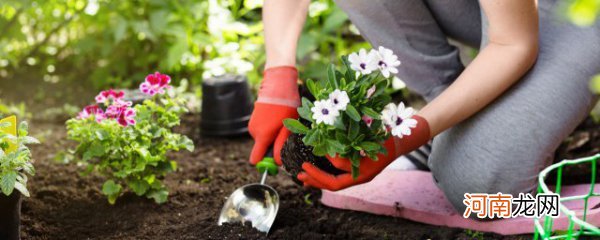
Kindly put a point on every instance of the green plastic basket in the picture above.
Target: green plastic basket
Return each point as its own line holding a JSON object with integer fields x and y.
{"x": 578, "y": 227}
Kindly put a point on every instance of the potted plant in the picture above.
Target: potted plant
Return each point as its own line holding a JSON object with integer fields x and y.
{"x": 129, "y": 144}
{"x": 15, "y": 166}
{"x": 347, "y": 116}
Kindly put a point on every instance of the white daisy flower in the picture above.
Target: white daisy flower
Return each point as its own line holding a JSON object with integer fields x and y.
{"x": 363, "y": 62}
{"x": 399, "y": 119}
{"x": 387, "y": 62}
{"x": 339, "y": 99}
{"x": 324, "y": 112}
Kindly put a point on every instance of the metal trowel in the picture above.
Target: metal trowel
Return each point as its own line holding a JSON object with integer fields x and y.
{"x": 255, "y": 203}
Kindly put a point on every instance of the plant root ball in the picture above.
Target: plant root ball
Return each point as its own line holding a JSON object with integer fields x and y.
{"x": 294, "y": 153}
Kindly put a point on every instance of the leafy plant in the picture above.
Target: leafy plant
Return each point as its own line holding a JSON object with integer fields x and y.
{"x": 15, "y": 159}
{"x": 351, "y": 110}
{"x": 129, "y": 145}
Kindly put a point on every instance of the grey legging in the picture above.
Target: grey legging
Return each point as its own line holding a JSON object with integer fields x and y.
{"x": 503, "y": 147}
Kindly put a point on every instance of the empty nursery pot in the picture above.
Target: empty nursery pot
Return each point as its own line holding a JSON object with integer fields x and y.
{"x": 226, "y": 106}
{"x": 10, "y": 216}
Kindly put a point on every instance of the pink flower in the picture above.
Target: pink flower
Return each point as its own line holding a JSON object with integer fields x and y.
{"x": 368, "y": 120}
{"x": 110, "y": 94}
{"x": 127, "y": 117}
{"x": 92, "y": 110}
{"x": 114, "y": 111}
{"x": 123, "y": 114}
{"x": 155, "y": 83}
{"x": 121, "y": 103}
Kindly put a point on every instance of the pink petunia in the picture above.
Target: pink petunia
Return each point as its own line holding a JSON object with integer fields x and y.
{"x": 92, "y": 110}
{"x": 155, "y": 83}
{"x": 108, "y": 95}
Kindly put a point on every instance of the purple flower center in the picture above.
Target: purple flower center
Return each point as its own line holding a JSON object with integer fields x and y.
{"x": 363, "y": 66}
{"x": 325, "y": 111}
{"x": 335, "y": 101}
{"x": 398, "y": 121}
{"x": 382, "y": 64}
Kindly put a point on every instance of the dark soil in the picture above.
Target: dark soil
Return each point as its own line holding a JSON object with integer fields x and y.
{"x": 294, "y": 153}
{"x": 65, "y": 205}
{"x": 583, "y": 142}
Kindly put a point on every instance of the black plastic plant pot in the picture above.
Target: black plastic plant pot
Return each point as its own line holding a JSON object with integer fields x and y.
{"x": 135, "y": 96}
{"x": 10, "y": 216}
{"x": 294, "y": 153}
{"x": 226, "y": 106}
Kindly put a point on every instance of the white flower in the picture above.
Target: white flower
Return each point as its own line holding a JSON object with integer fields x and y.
{"x": 324, "y": 112}
{"x": 363, "y": 62}
{"x": 339, "y": 99}
{"x": 399, "y": 119}
{"x": 387, "y": 62}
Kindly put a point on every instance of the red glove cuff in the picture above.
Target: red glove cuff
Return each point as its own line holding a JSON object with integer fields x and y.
{"x": 419, "y": 136}
{"x": 280, "y": 87}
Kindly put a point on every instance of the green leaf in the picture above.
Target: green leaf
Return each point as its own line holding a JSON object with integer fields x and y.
{"x": 311, "y": 137}
{"x": 7, "y": 182}
{"x": 336, "y": 146}
{"x": 320, "y": 150}
{"x": 352, "y": 113}
{"x": 186, "y": 143}
{"x": 110, "y": 187}
{"x": 370, "y": 112}
{"x": 353, "y": 130}
{"x": 19, "y": 186}
{"x": 29, "y": 140}
{"x": 159, "y": 196}
{"x": 370, "y": 146}
{"x": 312, "y": 88}
{"x": 339, "y": 124}
{"x": 295, "y": 126}
{"x": 380, "y": 88}
{"x": 331, "y": 77}
{"x": 95, "y": 150}
{"x": 102, "y": 134}
{"x": 304, "y": 111}
{"x": 23, "y": 129}
{"x": 139, "y": 187}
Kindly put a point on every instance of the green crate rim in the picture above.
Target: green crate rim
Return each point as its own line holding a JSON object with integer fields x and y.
{"x": 544, "y": 230}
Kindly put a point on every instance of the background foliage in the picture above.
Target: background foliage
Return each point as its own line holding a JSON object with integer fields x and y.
{"x": 115, "y": 43}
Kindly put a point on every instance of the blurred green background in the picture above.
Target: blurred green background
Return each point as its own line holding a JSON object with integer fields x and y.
{"x": 111, "y": 43}
{"x": 54, "y": 52}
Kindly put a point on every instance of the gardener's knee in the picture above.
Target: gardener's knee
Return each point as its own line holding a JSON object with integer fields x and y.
{"x": 459, "y": 167}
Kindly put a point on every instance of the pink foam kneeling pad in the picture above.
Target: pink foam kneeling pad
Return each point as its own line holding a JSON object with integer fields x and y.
{"x": 413, "y": 195}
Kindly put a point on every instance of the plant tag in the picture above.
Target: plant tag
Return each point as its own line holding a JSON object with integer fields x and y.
{"x": 12, "y": 130}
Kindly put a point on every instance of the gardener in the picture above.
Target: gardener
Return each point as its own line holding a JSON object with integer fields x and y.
{"x": 496, "y": 122}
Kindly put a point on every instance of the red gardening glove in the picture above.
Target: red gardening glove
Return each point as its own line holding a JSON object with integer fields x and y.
{"x": 368, "y": 169}
{"x": 278, "y": 99}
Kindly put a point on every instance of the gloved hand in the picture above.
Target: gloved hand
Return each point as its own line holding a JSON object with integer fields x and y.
{"x": 278, "y": 99}
{"x": 368, "y": 169}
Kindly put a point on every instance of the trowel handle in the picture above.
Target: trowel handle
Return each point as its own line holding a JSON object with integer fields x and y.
{"x": 268, "y": 163}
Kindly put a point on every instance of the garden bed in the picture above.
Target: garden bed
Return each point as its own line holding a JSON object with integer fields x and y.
{"x": 65, "y": 205}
